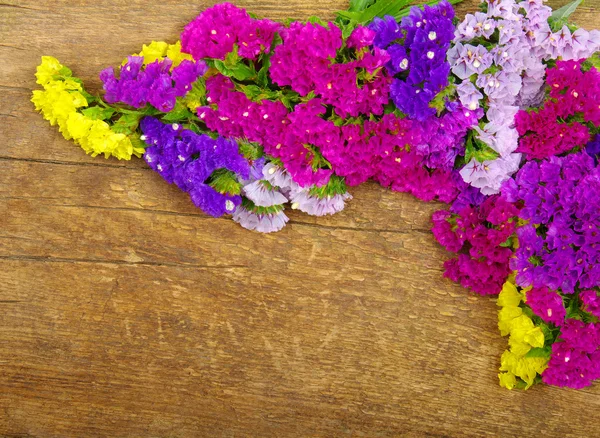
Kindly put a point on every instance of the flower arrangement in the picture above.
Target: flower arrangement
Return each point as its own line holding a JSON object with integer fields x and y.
{"x": 496, "y": 115}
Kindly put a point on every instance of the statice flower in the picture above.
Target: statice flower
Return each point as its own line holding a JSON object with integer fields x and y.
{"x": 316, "y": 206}
{"x": 491, "y": 174}
{"x": 479, "y": 234}
{"x": 306, "y": 63}
{"x": 261, "y": 222}
{"x": 517, "y": 367}
{"x": 219, "y": 29}
{"x": 560, "y": 247}
{"x": 418, "y": 58}
{"x": 507, "y": 73}
{"x": 403, "y": 154}
{"x": 190, "y": 160}
{"x": 387, "y": 30}
{"x": 467, "y": 60}
{"x": 591, "y": 301}
{"x": 575, "y": 361}
{"x": 593, "y": 147}
{"x": 547, "y": 304}
{"x": 157, "y": 83}
{"x": 283, "y": 134}
{"x": 552, "y": 129}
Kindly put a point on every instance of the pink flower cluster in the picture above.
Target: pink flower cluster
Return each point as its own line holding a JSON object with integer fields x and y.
{"x": 575, "y": 360}
{"x": 215, "y": 32}
{"x": 478, "y": 234}
{"x": 559, "y": 126}
{"x": 547, "y": 304}
{"x": 405, "y": 155}
{"x": 306, "y": 61}
{"x": 283, "y": 134}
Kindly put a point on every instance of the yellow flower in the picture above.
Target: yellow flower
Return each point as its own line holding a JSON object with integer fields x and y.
{"x": 509, "y": 296}
{"x": 523, "y": 336}
{"x": 154, "y": 51}
{"x": 60, "y": 102}
{"x": 174, "y": 54}
{"x": 506, "y": 318}
{"x": 96, "y": 137}
{"x": 526, "y": 368}
{"x": 57, "y": 103}
{"x": 507, "y": 380}
{"x": 158, "y": 50}
{"x": 46, "y": 71}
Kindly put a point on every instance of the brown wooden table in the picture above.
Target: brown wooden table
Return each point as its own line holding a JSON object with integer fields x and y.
{"x": 126, "y": 312}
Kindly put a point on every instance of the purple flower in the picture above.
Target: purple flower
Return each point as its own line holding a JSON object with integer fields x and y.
{"x": 387, "y": 30}
{"x": 155, "y": 84}
{"x": 263, "y": 196}
{"x": 489, "y": 175}
{"x": 187, "y": 159}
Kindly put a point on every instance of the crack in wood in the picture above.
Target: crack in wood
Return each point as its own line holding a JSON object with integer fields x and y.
{"x": 50, "y": 259}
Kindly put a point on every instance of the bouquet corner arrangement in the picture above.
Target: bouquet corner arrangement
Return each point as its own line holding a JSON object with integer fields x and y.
{"x": 496, "y": 114}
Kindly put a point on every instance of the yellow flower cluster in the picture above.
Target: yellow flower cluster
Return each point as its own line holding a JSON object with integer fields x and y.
{"x": 524, "y": 336}
{"x": 157, "y": 50}
{"x": 59, "y": 103}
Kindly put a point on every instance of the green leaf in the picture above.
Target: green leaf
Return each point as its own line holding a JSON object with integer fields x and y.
{"x": 250, "y": 206}
{"x": 195, "y": 97}
{"x": 348, "y": 28}
{"x": 98, "y": 112}
{"x": 562, "y": 14}
{"x": 127, "y": 123}
{"x": 544, "y": 352}
{"x": 478, "y": 150}
{"x": 225, "y": 182}
{"x": 65, "y": 72}
{"x": 250, "y": 151}
{"x": 439, "y": 101}
{"x": 136, "y": 141}
{"x": 380, "y": 8}
{"x": 180, "y": 113}
{"x": 240, "y": 71}
{"x": 548, "y": 335}
{"x": 256, "y": 93}
{"x": 316, "y": 20}
{"x": 335, "y": 186}
{"x": 359, "y": 5}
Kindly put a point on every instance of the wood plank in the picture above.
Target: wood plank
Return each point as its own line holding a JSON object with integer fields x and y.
{"x": 172, "y": 351}
{"x": 95, "y": 185}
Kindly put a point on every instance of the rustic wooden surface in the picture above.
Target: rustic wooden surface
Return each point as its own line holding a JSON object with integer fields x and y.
{"x": 126, "y": 312}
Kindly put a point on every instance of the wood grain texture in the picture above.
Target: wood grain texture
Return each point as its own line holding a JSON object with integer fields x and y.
{"x": 124, "y": 312}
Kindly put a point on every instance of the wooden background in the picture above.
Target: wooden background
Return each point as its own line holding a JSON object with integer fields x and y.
{"x": 124, "y": 312}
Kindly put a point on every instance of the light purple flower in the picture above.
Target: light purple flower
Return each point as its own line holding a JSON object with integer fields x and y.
{"x": 467, "y": 60}
{"x": 263, "y": 223}
{"x": 489, "y": 175}
{"x": 469, "y": 95}
{"x": 500, "y": 86}
{"x": 263, "y": 196}
{"x": 501, "y": 138}
{"x": 475, "y": 25}
{"x": 315, "y": 206}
